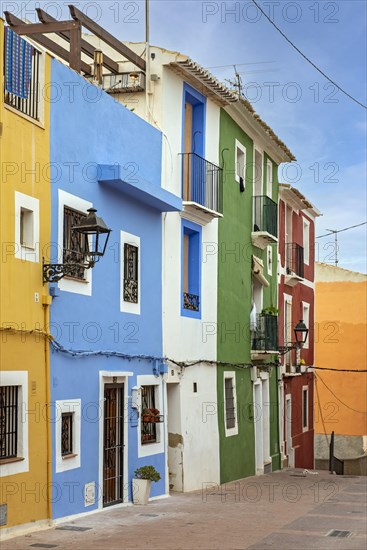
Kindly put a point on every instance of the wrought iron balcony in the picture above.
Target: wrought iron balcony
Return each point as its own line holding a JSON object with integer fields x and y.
{"x": 294, "y": 263}
{"x": 191, "y": 301}
{"x": 265, "y": 337}
{"x": 202, "y": 184}
{"x": 265, "y": 226}
{"x": 29, "y": 105}
{"x": 121, "y": 83}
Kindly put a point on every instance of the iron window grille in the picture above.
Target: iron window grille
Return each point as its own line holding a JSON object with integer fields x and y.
{"x": 230, "y": 403}
{"x": 66, "y": 434}
{"x": 8, "y": 421}
{"x": 29, "y": 106}
{"x": 148, "y": 421}
{"x": 74, "y": 246}
{"x": 131, "y": 259}
{"x": 191, "y": 301}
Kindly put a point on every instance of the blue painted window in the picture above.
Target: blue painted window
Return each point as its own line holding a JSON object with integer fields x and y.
{"x": 191, "y": 270}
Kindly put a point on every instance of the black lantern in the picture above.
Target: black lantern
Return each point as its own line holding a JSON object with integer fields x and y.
{"x": 96, "y": 235}
{"x": 301, "y": 333}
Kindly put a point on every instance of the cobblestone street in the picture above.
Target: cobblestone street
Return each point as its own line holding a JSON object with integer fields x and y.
{"x": 283, "y": 510}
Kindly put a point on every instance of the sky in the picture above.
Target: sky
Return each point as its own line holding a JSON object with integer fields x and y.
{"x": 324, "y": 129}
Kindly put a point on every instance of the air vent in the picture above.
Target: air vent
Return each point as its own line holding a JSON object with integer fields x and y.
{"x": 73, "y": 528}
{"x": 268, "y": 468}
{"x": 339, "y": 534}
{"x": 43, "y": 545}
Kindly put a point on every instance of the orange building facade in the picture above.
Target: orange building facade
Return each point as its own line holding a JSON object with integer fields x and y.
{"x": 340, "y": 343}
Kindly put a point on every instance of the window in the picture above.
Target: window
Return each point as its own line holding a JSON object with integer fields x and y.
{"x": 131, "y": 259}
{"x": 288, "y": 331}
{"x": 26, "y": 227}
{"x": 230, "y": 406}
{"x": 22, "y": 75}
{"x": 150, "y": 415}
{"x": 306, "y": 241}
{"x": 269, "y": 178}
{"x": 305, "y": 408}
{"x": 306, "y": 320}
{"x": 191, "y": 269}
{"x": 240, "y": 162}
{"x": 8, "y": 422}
{"x": 66, "y": 434}
{"x": 74, "y": 246}
{"x": 269, "y": 257}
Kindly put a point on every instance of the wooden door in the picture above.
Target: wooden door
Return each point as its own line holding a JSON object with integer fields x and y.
{"x": 113, "y": 450}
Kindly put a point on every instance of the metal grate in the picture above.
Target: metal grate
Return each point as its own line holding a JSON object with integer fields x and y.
{"x": 265, "y": 215}
{"x": 268, "y": 468}
{"x": 74, "y": 242}
{"x": 66, "y": 434}
{"x": 148, "y": 419}
{"x": 339, "y": 534}
{"x": 73, "y": 528}
{"x": 131, "y": 259}
{"x": 229, "y": 401}
{"x": 29, "y": 106}
{"x": 202, "y": 182}
{"x": 8, "y": 421}
{"x": 113, "y": 458}
{"x": 294, "y": 259}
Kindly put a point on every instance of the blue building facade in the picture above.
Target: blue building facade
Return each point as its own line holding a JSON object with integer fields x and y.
{"x": 106, "y": 366}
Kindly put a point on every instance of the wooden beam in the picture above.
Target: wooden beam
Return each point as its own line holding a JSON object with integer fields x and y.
{"x": 48, "y": 44}
{"x": 87, "y": 48}
{"x": 44, "y": 28}
{"x": 75, "y": 48}
{"x": 107, "y": 37}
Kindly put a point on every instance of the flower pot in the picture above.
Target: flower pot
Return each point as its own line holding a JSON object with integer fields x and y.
{"x": 141, "y": 490}
{"x": 147, "y": 417}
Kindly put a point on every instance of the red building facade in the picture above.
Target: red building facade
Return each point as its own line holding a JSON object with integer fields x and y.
{"x": 296, "y": 302}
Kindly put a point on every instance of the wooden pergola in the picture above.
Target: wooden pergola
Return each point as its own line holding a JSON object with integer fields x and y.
{"x": 71, "y": 31}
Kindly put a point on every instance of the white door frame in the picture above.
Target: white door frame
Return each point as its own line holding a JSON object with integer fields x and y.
{"x": 258, "y": 425}
{"x": 288, "y": 429}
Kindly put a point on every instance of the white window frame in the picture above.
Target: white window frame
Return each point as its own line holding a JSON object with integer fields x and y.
{"x": 68, "y": 406}
{"x": 269, "y": 178}
{"x": 20, "y": 379}
{"x": 306, "y": 320}
{"x": 68, "y": 284}
{"x": 306, "y": 240}
{"x": 305, "y": 428}
{"x": 128, "y": 307}
{"x": 242, "y": 148}
{"x": 158, "y": 447}
{"x": 27, "y": 253}
{"x": 230, "y": 375}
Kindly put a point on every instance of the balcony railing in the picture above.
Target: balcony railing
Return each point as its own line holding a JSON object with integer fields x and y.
{"x": 266, "y": 333}
{"x": 294, "y": 259}
{"x": 191, "y": 301}
{"x": 202, "y": 182}
{"x": 124, "y": 82}
{"x": 28, "y": 106}
{"x": 265, "y": 215}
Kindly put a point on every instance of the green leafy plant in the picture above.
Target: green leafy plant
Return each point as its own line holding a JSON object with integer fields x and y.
{"x": 147, "y": 472}
{"x": 270, "y": 310}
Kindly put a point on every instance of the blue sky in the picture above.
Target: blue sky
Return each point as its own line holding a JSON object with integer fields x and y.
{"x": 324, "y": 129}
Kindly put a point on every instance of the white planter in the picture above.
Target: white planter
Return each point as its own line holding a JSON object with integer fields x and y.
{"x": 141, "y": 490}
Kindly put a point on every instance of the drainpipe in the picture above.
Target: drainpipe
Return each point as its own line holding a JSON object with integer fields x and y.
{"x": 46, "y": 302}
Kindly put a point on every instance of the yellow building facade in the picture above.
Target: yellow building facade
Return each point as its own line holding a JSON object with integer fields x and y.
{"x": 25, "y": 466}
{"x": 340, "y": 343}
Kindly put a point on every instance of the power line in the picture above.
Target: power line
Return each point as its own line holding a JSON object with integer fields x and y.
{"x": 307, "y": 59}
{"x": 336, "y": 397}
{"x": 332, "y": 231}
{"x": 239, "y": 64}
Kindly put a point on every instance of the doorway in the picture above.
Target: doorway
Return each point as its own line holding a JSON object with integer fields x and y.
{"x": 288, "y": 430}
{"x": 258, "y": 418}
{"x": 113, "y": 444}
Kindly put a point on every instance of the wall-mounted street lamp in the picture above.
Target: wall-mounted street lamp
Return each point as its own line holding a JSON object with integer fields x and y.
{"x": 300, "y": 333}
{"x": 94, "y": 244}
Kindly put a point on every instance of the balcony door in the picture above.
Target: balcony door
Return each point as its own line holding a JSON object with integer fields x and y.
{"x": 188, "y": 142}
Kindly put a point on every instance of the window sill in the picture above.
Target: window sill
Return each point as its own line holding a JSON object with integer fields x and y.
{"x": 11, "y": 460}
{"x": 66, "y": 457}
{"x": 26, "y": 117}
{"x": 75, "y": 279}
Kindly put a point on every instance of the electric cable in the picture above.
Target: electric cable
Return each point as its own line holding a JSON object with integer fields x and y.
{"x": 307, "y": 59}
{"x": 341, "y": 230}
{"x": 336, "y": 397}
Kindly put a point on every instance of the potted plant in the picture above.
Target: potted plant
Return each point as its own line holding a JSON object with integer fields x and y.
{"x": 142, "y": 483}
{"x": 150, "y": 415}
{"x": 270, "y": 310}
